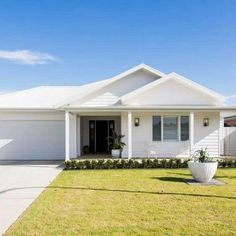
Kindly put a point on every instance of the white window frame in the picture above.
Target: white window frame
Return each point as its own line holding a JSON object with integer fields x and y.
{"x": 177, "y": 138}
{"x": 162, "y": 129}
{"x": 180, "y": 129}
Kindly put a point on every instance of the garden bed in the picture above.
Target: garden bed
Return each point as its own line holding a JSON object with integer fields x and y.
{"x": 136, "y": 164}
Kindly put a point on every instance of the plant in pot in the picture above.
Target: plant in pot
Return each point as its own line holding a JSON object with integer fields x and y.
{"x": 202, "y": 166}
{"x": 116, "y": 144}
{"x": 86, "y": 149}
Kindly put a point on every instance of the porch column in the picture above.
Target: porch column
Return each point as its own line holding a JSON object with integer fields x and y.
{"x": 129, "y": 134}
{"x": 78, "y": 136}
{"x": 70, "y": 136}
{"x": 221, "y": 135}
{"x": 191, "y": 132}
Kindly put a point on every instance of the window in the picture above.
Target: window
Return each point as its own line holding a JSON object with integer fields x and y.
{"x": 156, "y": 128}
{"x": 170, "y": 128}
{"x": 184, "y": 123}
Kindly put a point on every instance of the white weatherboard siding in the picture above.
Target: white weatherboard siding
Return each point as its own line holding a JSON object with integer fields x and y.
{"x": 105, "y": 99}
{"x": 207, "y": 136}
{"x": 172, "y": 92}
{"x": 111, "y": 92}
{"x": 142, "y": 135}
{"x": 40, "y": 137}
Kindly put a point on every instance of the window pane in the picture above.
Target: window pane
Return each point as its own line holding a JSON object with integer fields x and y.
{"x": 156, "y": 128}
{"x": 170, "y": 128}
{"x": 184, "y": 128}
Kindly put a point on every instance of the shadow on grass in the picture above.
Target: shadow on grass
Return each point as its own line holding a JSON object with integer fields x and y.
{"x": 225, "y": 177}
{"x": 169, "y": 179}
{"x": 121, "y": 191}
{"x": 217, "y": 176}
{"x": 176, "y": 173}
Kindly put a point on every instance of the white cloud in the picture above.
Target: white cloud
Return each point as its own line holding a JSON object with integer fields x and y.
{"x": 27, "y": 57}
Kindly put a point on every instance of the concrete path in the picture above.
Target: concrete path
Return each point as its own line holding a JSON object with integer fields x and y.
{"x": 21, "y": 182}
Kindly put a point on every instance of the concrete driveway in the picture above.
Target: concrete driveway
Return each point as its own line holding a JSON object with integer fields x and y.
{"x": 21, "y": 182}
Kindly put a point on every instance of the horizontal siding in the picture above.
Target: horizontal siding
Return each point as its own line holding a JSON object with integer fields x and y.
{"x": 142, "y": 136}
{"x": 143, "y": 145}
{"x": 105, "y": 99}
{"x": 207, "y": 137}
{"x": 161, "y": 149}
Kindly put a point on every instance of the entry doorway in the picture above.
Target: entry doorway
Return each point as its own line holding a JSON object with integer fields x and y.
{"x": 99, "y": 133}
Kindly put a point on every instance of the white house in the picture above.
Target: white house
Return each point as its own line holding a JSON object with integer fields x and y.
{"x": 164, "y": 114}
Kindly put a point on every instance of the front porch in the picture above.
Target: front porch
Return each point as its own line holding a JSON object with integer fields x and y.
{"x": 87, "y": 134}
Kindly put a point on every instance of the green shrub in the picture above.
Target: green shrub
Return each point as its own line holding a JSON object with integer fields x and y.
{"x": 234, "y": 163}
{"x": 178, "y": 163}
{"x": 163, "y": 163}
{"x": 131, "y": 164}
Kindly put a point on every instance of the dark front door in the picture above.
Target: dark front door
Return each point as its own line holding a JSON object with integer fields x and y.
{"x": 99, "y": 133}
{"x": 101, "y": 136}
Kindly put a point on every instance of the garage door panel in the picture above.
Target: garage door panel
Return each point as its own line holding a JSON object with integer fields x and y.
{"x": 32, "y": 140}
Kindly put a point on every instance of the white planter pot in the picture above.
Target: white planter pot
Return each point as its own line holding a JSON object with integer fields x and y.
{"x": 115, "y": 153}
{"x": 203, "y": 172}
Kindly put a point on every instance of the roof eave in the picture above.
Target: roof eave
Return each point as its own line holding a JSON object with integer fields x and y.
{"x": 150, "y": 108}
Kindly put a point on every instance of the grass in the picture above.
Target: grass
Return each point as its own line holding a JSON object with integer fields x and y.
{"x": 131, "y": 202}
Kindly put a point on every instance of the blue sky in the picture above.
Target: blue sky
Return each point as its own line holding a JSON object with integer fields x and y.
{"x": 84, "y": 41}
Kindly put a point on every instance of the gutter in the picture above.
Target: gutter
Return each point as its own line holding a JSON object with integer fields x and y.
{"x": 121, "y": 108}
{"x": 150, "y": 108}
{"x": 26, "y": 109}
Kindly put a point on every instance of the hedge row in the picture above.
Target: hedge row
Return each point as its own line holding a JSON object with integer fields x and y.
{"x": 135, "y": 164}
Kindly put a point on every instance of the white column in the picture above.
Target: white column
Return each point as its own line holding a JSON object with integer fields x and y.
{"x": 129, "y": 134}
{"x": 67, "y": 137}
{"x": 78, "y": 136}
{"x": 221, "y": 135}
{"x": 70, "y": 136}
{"x": 191, "y": 132}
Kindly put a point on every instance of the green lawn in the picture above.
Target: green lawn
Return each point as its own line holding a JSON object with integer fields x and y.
{"x": 131, "y": 202}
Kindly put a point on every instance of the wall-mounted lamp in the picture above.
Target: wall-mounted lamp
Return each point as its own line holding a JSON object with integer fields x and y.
{"x": 111, "y": 126}
{"x": 136, "y": 121}
{"x": 206, "y": 122}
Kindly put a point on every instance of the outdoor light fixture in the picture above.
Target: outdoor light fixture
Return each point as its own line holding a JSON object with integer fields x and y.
{"x": 111, "y": 126}
{"x": 136, "y": 121}
{"x": 206, "y": 122}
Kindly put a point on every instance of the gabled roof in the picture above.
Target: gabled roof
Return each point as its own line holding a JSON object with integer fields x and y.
{"x": 118, "y": 77}
{"x": 176, "y": 77}
{"x": 59, "y": 97}
{"x": 43, "y": 97}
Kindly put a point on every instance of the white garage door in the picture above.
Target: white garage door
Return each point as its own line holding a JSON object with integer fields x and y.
{"x": 32, "y": 140}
